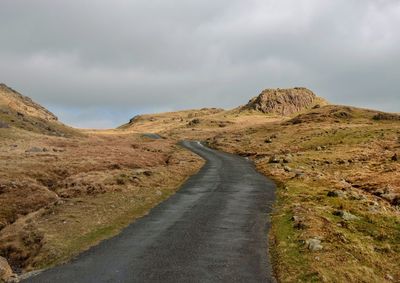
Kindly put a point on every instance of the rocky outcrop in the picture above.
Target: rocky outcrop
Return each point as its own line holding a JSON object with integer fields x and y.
{"x": 285, "y": 102}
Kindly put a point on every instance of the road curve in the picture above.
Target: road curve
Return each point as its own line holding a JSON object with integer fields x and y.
{"x": 214, "y": 229}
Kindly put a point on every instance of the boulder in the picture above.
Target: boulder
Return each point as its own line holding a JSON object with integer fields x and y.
{"x": 314, "y": 244}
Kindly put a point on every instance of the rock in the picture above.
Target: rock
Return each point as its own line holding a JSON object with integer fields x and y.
{"x": 314, "y": 244}
{"x": 273, "y": 159}
{"x": 6, "y": 273}
{"x": 286, "y": 159}
{"x": 394, "y": 157}
{"x": 298, "y": 222}
{"x": 268, "y": 140}
{"x": 299, "y": 174}
{"x": 287, "y": 169}
{"x": 283, "y": 101}
{"x": 318, "y": 148}
{"x": 345, "y": 215}
{"x": 194, "y": 122}
{"x": 34, "y": 149}
{"x": 389, "y": 277}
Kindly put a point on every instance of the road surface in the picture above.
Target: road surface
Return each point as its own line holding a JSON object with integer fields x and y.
{"x": 214, "y": 229}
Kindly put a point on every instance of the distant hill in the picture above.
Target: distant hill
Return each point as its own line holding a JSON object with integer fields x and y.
{"x": 340, "y": 113}
{"x": 19, "y": 111}
{"x": 285, "y": 102}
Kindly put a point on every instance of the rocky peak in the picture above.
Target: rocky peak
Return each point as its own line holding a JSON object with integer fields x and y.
{"x": 285, "y": 102}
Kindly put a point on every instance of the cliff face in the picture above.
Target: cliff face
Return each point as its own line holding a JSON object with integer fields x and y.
{"x": 285, "y": 102}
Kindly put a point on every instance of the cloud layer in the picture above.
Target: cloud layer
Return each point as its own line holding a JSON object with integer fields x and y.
{"x": 97, "y": 63}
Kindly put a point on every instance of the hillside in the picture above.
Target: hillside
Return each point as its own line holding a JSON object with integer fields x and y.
{"x": 19, "y": 111}
{"x": 337, "y": 170}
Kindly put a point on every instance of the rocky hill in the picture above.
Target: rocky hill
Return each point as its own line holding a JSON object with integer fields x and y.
{"x": 285, "y": 102}
{"x": 19, "y": 111}
{"x": 23, "y": 104}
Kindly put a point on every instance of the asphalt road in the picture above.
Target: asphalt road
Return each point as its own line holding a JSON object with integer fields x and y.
{"x": 214, "y": 229}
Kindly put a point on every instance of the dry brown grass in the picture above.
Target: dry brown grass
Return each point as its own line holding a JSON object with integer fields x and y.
{"x": 332, "y": 148}
{"x": 79, "y": 191}
{"x": 352, "y": 155}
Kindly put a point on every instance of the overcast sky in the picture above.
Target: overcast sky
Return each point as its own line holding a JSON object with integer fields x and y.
{"x": 97, "y": 63}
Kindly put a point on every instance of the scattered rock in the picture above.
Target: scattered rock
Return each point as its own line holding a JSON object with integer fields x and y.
{"x": 314, "y": 244}
{"x": 268, "y": 140}
{"x": 394, "y": 157}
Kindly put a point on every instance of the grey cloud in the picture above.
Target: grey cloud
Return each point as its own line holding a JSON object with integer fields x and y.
{"x": 127, "y": 57}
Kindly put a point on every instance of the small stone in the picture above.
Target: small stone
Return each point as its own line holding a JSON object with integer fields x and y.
{"x": 298, "y": 222}
{"x": 394, "y": 157}
{"x": 286, "y": 159}
{"x": 299, "y": 174}
{"x": 287, "y": 169}
{"x": 269, "y": 140}
{"x": 314, "y": 244}
{"x": 318, "y": 148}
{"x": 273, "y": 159}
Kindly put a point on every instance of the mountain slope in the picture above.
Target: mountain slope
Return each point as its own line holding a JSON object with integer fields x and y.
{"x": 19, "y": 111}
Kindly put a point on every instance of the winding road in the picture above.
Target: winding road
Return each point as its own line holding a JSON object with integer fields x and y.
{"x": 214, "y": 229}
